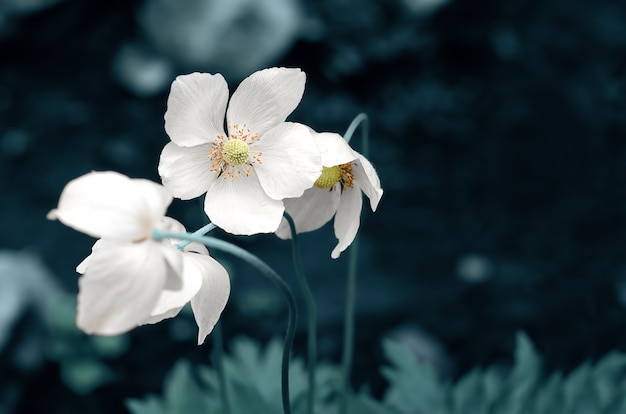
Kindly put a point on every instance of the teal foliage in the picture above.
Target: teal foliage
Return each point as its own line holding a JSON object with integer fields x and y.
{"x": 81, "y": 358}
{"x": 253, "y": 380}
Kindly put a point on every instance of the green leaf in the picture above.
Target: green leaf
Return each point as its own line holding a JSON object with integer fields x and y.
{"x": 413, "y": 385}
{"x": 149, "y": 405}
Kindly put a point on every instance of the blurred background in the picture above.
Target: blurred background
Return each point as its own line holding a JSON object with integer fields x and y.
{"x": 497, "y": 128}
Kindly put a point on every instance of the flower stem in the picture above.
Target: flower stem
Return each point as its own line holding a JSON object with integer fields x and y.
{"x": 200, "y": 232}
{"x": 348, "y": 333}
{"x": 253, "y": 260}
{"x": 218, "y": 360}
{"x": 311, "y": 312}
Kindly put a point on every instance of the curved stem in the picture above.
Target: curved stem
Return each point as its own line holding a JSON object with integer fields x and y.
{"x": 270, "y": 274}
{"x": 311, "y": 312}
{"x": 201, "y": 232}
{"x": 358, "y": 120}
{"x": 348, "y": 333}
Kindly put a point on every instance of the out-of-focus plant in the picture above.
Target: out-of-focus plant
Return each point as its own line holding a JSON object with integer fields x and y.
{"x": 414, "y": 387}
{"x": 81, "y": 358}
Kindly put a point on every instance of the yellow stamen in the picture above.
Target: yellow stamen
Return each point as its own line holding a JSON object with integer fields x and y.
{"x": 330, "y": 176}
{"x": 235, "y": 152}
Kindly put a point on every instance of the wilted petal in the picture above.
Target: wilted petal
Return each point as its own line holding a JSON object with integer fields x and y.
{"x": 104, "y": 205}
{"x": 334, "y": 150}
{"x": 316, "y": 207}
{"x": 265, "y": 98}
{"x": 185, "y": 171}
{"x": 347, "y": 220}
{"x": 209, "y": 302}
{"x": 195, "y": 109}
{"x": 120, "y": 287}
{"x": 290, "y": 161}
{"x": 240, "y": 206}
{"x": 365, "y": 177}
{"x": 170, "y": 302}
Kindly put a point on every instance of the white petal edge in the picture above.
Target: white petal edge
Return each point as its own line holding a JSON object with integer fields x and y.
{"x": 315, "y": 208}
{"x": 195, "y": 109}
{"x": 290, "y": 161}
{"x": 366, "y": 178}
{"x": 347, "y": 220}
{"x": 334, "y": 150}
{"x": 211, "y": 299}
{"x": 120, "y": 287}
{"x": 240, "y": 206}
{"x": 185, "y": 171}
{"x": 170, "y": 302}
{"x": 104, "y": 205}
{"x": 157, "y": 197}
{"x": 265, "y": 98}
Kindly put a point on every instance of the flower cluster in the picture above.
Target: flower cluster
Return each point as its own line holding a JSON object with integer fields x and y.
{"x": 252, "y": 171}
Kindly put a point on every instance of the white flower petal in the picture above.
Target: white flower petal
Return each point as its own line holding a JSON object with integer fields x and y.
{"x": 174, "y": 260}
{"x": 347, "y": 219}
{"x": 316, "y": 207}
{"x": 265, "y": 98}
{"x": 120, "y": 287}
{"x": 334, "y": 150}
{"x": 104, "y": 205}
{"x": 290, "y": 161}
{"x": 209, "y": 302}
{"x": 195, "y": 109}
{"x": 240, "y": 206}
{"x": 99, "y": 244}
{"x": 157, "y": 197}
{"x": 170, "y": 302}
{"x": 366, "y": 178}
{"x": 185, "y": 171}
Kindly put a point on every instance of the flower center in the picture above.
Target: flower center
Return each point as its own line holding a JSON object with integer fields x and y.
{"x": 337, "y": 173}
{"x": 235, "y": 152}
{"x": 330, "y": 175}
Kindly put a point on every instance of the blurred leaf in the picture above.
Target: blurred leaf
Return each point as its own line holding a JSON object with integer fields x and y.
{"x": 149, "y": 405}
{"x": 84, "y": 375}
{"x": 109, "y": 346}
{"x": 413, "y": 385}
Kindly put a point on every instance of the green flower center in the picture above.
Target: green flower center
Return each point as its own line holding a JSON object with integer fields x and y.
{"x": 330, "y": 176}
{"x": 235, "y": 152}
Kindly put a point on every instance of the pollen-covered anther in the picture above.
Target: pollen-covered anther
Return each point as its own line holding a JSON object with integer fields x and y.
{"x": 329, "y": 177}
{"x": 347, "y": 178}
{"x": 235, "y": 152}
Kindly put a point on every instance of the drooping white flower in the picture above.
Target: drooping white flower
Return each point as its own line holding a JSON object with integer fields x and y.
{"x": 129, "y": 278}
{"x": 337, "y": 192}
{"x": 247, "y": 172}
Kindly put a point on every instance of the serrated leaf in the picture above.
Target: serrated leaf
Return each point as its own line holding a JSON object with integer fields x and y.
{"x": 608, "y": 375}
{"x": 151, "y": 404}
{"x": 549, "y": 398}
{"x": 468, "y": 395}
{"x": 581, "y": 395}
{"x": 413, "y": 385}
{"x": 183, "y": 394}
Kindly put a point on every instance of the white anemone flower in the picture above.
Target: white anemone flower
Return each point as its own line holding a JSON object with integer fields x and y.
{"x": 247, "y": 172}
{"x": 337, "y": 192}
{"x": 130, "y": 279}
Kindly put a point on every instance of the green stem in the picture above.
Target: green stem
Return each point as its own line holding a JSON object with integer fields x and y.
{"x": 348, "y": 333}
{"x": 311, "y": 312}
{"x": 201, "y": 232}
{"x": 218, "y": 361}
{"x": 270, "y": 274}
